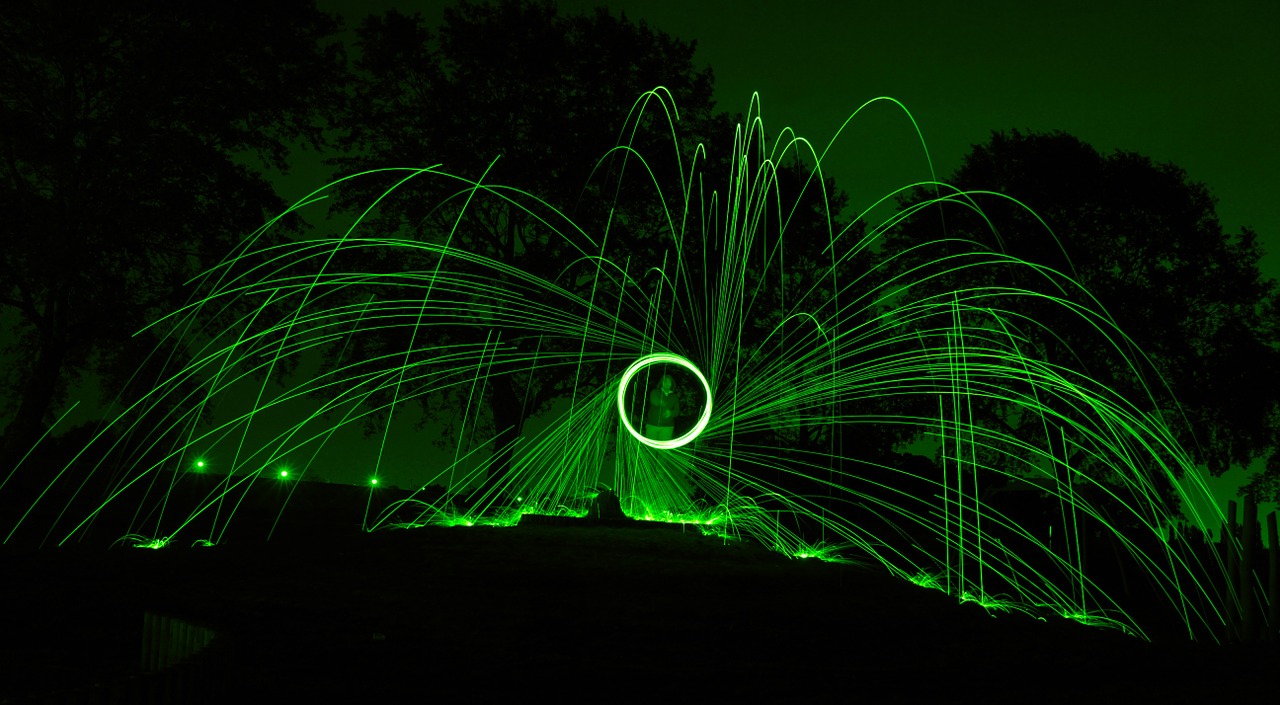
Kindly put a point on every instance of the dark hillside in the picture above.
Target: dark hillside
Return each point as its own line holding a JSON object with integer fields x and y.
{"x": 557, "y": 610}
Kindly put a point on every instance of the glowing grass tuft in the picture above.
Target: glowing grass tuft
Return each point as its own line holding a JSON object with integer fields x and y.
{"x": 990, "y": 604}
{"x": 140, "y": 541}
{"x": 927, "y": 580}
{"x": 820, "y": 551}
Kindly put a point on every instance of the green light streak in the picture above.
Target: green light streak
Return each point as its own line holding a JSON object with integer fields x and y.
{"x": 623, "y": 415}
{"x": 809, "y": 343}
{"x": 926, "y": 580}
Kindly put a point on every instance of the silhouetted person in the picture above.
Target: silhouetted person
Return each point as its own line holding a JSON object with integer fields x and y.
{"x": 662, "y": 410}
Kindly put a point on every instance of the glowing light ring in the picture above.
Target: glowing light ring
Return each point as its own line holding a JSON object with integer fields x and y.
{"x": 658, "y": 358}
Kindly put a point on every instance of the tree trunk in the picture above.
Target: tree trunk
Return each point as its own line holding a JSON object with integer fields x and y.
{"x": 508, "y": 421}
{"x": 505, "y": 405}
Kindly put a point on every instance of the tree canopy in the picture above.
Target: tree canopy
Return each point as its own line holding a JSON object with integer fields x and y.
{"x": 123, "y": 128}
{"x": 1190, "y": 319}
{"x": 518, "y": 95}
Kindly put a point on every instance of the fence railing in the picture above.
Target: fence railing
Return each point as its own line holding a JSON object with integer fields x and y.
{"x": 1254, "y": 612}
{"x": 169, "y": 671}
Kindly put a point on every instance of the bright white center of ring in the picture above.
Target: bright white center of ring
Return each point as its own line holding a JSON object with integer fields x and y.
{"x": 656, "y": 359}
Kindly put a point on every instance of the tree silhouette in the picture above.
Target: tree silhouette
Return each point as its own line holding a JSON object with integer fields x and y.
{"x": 1265, "y": 486}
{"x": 525, "y": 98}
{"x": 1146, "y": 242}
{"x": 787, "y": 267}
{"x": 123, "y": 129}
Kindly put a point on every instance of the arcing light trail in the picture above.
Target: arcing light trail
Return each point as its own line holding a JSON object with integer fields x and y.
{"x": 787, "y": 372}
{"x": 624, "y": 415}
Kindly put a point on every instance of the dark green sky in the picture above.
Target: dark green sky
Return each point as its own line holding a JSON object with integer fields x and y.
{"x": 1196, "y": 84}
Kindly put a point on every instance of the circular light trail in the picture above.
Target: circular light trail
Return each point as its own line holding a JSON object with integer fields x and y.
{"x": 655, "y": 359}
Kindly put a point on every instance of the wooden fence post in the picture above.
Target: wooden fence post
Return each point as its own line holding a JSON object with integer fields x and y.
{"x": 1273, "y": 579}
{"x": 1248, "y": 597}
{"x": 1228, "y": 539}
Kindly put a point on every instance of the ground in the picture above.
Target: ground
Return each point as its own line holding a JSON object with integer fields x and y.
{"x": 560, "y": 610}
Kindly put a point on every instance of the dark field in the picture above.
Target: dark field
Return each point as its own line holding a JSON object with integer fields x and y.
{"x": 582, "y": 613}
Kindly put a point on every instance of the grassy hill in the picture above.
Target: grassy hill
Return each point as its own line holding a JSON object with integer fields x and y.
{"x": 564, "y": 611}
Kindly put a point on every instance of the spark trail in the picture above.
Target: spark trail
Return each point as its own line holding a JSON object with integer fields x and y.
{"x": 789, "y": 339}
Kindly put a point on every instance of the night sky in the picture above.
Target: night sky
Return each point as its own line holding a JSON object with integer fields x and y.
{"x": 1195, "y": 84}
{"x": 1187, "y": 83}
